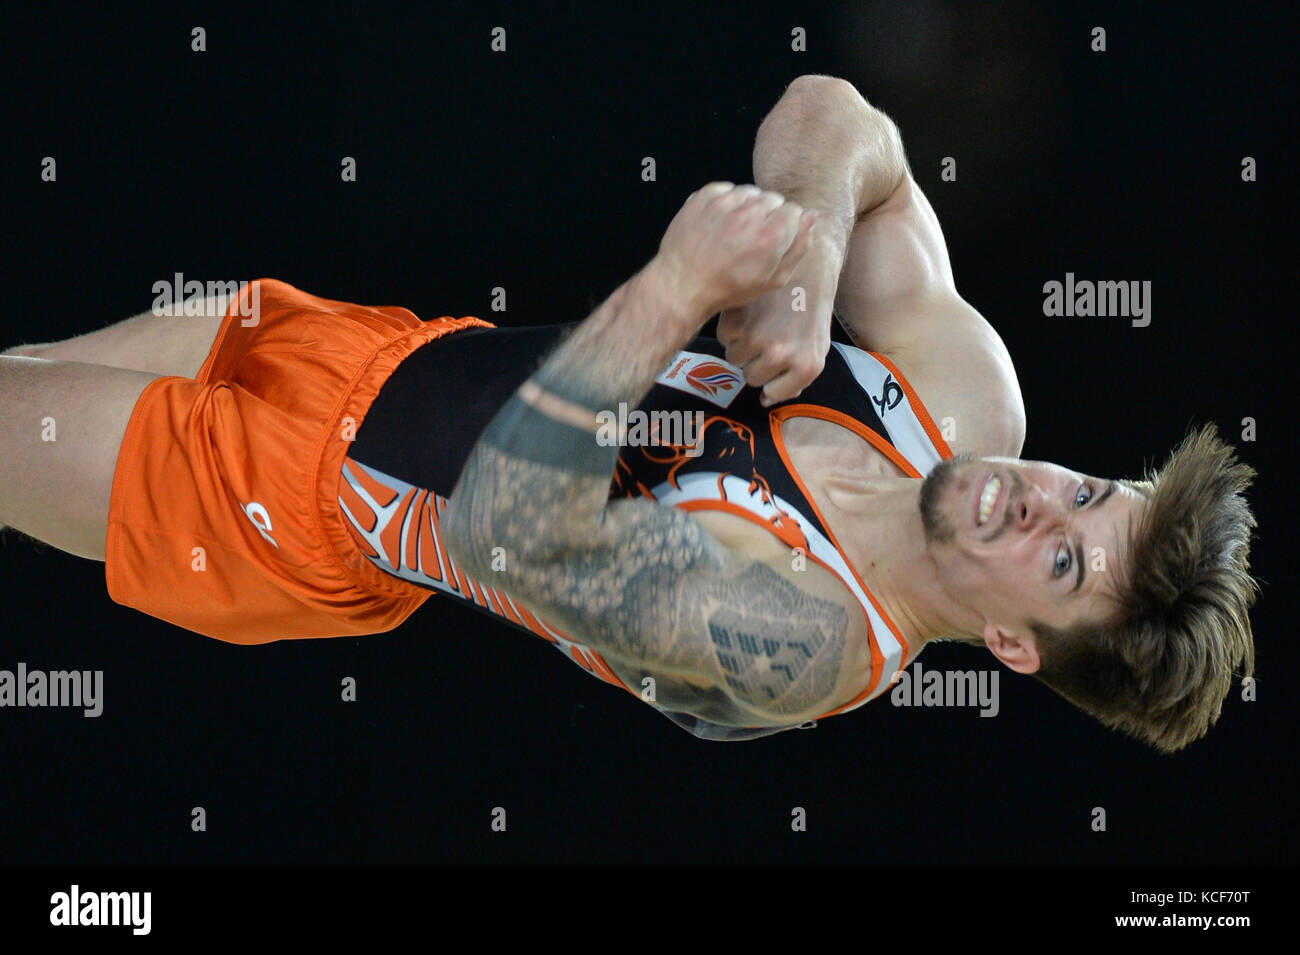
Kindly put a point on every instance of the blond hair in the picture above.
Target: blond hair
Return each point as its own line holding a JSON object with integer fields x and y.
{"x": 1161, "y": 667}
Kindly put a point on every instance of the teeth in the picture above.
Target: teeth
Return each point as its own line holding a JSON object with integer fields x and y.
{"x": 988, "y": 496}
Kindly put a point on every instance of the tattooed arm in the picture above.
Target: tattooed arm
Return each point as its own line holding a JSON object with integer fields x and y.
{"x": 633, "y": 578}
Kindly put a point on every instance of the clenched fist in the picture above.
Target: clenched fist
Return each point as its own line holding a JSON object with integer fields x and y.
{"x": 730, "y": 244}
{"x": 781, "y": 339}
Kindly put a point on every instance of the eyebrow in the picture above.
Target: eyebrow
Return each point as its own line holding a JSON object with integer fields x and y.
{"x": 1078, "y": 541}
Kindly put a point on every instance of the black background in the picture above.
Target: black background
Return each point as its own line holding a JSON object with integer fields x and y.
{"x": 522, "y": 170}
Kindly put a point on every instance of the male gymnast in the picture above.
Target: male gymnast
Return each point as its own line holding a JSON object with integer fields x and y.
{"x": 298, "y": 474}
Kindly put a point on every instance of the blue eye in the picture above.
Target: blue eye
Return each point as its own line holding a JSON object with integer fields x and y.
{"x": 1062, "y": 562}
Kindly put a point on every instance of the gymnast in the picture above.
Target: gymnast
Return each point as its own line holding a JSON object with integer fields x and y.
{"x": 285, "y": 466}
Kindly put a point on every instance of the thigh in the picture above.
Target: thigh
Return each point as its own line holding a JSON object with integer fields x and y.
{"x": 62, "y": 425}
{"x": 170, "y": 343}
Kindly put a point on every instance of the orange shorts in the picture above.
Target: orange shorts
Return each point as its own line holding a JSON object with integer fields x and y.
{"x": 224, "y": 515}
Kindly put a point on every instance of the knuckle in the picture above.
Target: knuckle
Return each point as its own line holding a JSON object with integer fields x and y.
{"x": 711, "y": 192}
{"x": 776, "y": 229}
{"x": 808, "y": 369}
{"x": 778, "y": 353}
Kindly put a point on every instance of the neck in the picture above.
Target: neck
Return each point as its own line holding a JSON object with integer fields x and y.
{"x": 877, "y": 522}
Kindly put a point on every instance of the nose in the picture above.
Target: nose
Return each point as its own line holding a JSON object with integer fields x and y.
{"x": 1033, "y": 507}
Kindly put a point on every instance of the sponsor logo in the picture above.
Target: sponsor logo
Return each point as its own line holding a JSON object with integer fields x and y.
{"x": 712, "y": 378}
{"x": 257, "y": 514}
{"x": 891, "y": 394}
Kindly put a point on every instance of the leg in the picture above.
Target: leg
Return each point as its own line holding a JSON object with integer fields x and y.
{"x": 58, "y": 490}
{"x": 172, "y": 343}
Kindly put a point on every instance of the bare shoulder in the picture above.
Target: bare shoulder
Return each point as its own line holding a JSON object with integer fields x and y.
{"x": 790, "y": 640}
{"x": 897, "y": 297}
{"x": 961, "y": 370}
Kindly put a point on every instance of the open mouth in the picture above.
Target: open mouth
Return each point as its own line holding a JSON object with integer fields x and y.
{"x": 989, "y": 496}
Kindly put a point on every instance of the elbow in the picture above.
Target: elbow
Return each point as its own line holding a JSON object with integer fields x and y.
{"x": 813, "y": 100}
{"x": 820, "y": 86}
{"x": 490, "y": 548}
{"x": 811, "y": 92}
{"x": 816, "y": 91}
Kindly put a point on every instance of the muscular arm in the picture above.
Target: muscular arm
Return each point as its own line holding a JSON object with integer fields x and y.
{"x": 881, "y": 261}
{"x": 882, "y": 264}
{"x": 646, "y": 583}
{"x": 632, "y": 578}
{"x": 827, "y": 148}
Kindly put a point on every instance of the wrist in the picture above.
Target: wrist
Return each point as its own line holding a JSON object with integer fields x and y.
{"x": 830, "y": 240}
{"x": 661, "y": 285}
{"x": 819, "y": 272}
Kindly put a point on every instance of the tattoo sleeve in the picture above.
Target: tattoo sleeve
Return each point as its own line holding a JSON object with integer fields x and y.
{"x": 631, "y": 577}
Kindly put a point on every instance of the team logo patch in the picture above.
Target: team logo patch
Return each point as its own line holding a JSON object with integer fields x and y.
{"x": 713, "y": 379}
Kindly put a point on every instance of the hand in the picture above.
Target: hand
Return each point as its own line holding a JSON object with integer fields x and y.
{"x": 730, "y": 244}
{"x": 781, "y": 339}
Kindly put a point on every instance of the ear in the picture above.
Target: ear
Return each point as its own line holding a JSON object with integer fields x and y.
{"x": 1017, "y": 648}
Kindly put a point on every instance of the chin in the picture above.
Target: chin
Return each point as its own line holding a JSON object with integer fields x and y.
{"x": 940, "y": 525}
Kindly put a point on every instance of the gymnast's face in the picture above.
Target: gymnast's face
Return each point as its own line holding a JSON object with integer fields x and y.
{"x": 1016, "y": 541}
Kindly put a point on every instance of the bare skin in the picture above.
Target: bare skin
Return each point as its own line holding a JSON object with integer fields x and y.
{"x": 81, "y": 393}
{"x": 58, "y": 490}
